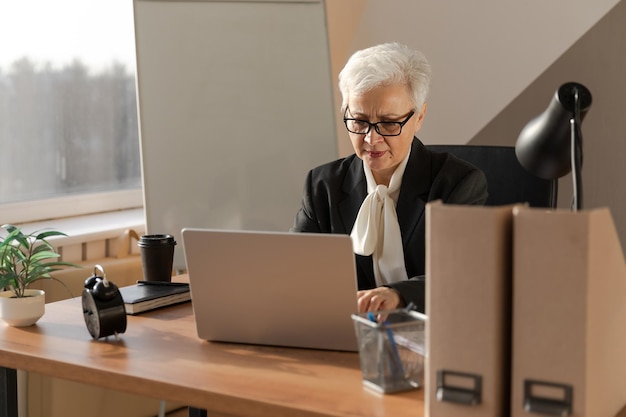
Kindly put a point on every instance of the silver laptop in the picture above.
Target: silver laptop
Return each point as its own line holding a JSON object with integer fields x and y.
{"x": 272, "y": 288}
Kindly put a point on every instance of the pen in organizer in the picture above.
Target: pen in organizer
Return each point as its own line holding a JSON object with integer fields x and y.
{"x": 397, "y": 370}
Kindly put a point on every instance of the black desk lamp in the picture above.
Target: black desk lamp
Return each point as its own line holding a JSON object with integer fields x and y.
{"x": 551, "y": 144}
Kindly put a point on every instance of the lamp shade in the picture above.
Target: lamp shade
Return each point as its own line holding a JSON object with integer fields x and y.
{"x": 544, "y": 146}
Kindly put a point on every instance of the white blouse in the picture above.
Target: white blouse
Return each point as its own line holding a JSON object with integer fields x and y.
{"x": 376, "y": 230}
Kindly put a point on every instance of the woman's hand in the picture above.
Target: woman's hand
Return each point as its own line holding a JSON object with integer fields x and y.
{"x": 381, "y": 298}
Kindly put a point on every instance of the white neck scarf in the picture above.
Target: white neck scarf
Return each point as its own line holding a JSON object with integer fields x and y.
{"x": 376, "y": 230}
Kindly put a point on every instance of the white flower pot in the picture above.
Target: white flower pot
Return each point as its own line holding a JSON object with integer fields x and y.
{"x": 23, "y": 311}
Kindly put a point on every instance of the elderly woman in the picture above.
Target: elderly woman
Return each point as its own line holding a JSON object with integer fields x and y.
{"x": 378, "y": 194}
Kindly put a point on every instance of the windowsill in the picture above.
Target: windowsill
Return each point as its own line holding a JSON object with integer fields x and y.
{"x": 80, "y": 229}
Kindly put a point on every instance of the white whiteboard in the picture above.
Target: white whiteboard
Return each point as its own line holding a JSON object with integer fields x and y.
{"x": 235, "y": 106}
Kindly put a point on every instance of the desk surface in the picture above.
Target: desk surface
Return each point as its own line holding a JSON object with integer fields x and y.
{"x": 160, "y": 356}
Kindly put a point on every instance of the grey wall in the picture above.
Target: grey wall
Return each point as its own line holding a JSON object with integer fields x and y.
{"x": 235, "y": 104}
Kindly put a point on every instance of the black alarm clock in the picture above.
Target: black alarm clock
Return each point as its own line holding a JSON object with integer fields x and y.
{"x": 103, "y": 306}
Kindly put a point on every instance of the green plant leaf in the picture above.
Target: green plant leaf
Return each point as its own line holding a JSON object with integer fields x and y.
{"x": 26, "y": 258}
{"x": 43, "y": 254}
{"x": 47, "y": 234}
{"x": 19, "y": 237}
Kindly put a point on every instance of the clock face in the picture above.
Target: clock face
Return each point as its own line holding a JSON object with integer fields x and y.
{"x": 104, "y": 317}
{"x": 90, "y": 313}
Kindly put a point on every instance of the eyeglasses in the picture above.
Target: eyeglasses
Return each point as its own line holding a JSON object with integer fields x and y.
{"x": 363, "y": 127}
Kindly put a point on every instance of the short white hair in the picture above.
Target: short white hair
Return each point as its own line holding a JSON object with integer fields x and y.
{"x": 386, "y": 64}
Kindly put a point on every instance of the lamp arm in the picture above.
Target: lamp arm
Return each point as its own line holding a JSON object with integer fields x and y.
{"x": 577, "y": 154}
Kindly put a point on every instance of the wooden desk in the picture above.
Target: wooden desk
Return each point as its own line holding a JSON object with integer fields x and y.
{"x": 160, "y": 356}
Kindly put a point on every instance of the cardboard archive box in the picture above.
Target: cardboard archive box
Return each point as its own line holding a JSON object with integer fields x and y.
{"x": 569, "y": 314}
{"x": 468, "y": 284}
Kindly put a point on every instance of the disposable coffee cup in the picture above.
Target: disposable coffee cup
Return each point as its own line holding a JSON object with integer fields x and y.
{"x": 157, "y": 257}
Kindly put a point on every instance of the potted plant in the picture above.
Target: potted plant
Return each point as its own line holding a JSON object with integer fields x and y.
{"x": 25, "y": 259}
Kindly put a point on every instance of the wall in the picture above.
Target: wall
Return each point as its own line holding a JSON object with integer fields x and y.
{"x": 598, "y": 61}
{"x": 483, "y": 53}
{"x": 497, "y": 64}
{"x": 235, "y": 104}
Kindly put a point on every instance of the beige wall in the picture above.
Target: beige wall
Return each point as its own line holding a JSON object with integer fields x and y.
{"x": 483, "y": 53}
{"x": 497, "y": 64}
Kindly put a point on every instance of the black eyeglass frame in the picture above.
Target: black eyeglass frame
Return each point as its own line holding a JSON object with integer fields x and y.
{"x": 369, "y": 127}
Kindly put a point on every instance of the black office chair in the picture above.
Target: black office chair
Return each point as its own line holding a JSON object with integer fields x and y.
{"x": 508, "y": 182}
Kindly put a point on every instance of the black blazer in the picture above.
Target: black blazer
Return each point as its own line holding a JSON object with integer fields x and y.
{"x": 333, "y": 194}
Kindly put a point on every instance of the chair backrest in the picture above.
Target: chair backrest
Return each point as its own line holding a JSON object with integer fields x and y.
{"x": 508, "y": 182}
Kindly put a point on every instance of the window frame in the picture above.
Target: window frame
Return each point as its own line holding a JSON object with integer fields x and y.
{"x": 70, "y": 206}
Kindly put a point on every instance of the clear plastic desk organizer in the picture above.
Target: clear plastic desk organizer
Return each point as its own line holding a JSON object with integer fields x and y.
{"x": 391, "y": 349}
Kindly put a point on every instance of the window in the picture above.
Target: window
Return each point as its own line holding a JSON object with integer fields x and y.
{"x": 68, "y": 111}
